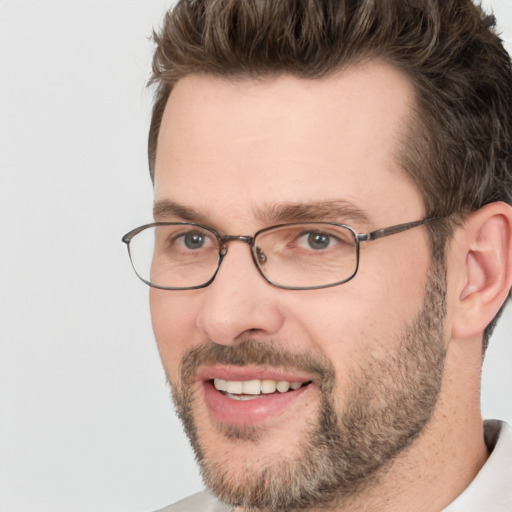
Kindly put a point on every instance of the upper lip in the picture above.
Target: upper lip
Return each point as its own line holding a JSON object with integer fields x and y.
{"x": 244, "y": 373}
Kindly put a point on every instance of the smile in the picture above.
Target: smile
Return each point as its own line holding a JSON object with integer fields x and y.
{"x": 242, "y": 397}
{"x": 256, "y": 388}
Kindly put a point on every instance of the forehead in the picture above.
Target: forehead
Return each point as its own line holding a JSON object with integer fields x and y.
{"x": 228, "y": 146}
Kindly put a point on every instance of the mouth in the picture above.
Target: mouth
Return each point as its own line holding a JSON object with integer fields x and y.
{"x": 256, "y": 388}
{"x": 248, "y": 397}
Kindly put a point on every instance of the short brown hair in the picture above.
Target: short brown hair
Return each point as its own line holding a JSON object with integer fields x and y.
{"x": 459, "y": 148}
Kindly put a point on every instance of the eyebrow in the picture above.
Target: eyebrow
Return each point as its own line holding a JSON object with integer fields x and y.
{"x": 166, "y": 210}
{"x": 271, "y": 214}
{"x": 322, "y": 211}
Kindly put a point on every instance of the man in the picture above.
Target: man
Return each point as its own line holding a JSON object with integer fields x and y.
{"x": 332, "y": 247}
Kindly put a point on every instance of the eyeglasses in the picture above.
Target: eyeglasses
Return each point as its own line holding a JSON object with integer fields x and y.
{"x": 302, "y": 256}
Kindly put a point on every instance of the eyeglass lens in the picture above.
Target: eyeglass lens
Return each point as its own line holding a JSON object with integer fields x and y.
{"x": 297, "y": 255}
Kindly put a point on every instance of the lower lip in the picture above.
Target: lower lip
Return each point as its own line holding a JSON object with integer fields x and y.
{"x": 248, "y": 412}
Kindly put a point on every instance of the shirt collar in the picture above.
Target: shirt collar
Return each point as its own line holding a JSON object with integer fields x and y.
{"x": 491, "y": 489}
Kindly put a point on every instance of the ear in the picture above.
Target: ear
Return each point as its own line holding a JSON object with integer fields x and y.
{"x": 481, "y": 259}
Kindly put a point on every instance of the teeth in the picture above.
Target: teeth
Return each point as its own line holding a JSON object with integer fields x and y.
{"x": 283, "y": 386}
{"x": 220, "y": 384}
{"x": 255, "y": 387}
{"x": 234, "y": 387}
{"x": 251, "y": 387}
{"x": 242, "y": 397}
{"x": 268, "y": 386}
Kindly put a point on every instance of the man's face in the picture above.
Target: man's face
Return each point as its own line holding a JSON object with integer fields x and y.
{"x": 240, "y": 156}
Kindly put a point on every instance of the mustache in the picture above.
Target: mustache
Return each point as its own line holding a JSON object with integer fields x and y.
{"x": 269, "y": 354}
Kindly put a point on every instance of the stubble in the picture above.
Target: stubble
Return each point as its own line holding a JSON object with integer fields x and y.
{"x": 343, "y": 453}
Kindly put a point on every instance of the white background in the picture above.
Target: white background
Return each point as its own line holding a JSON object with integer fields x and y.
{"x": 85, "y": 417}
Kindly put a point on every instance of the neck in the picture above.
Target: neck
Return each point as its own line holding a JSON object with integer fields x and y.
{"x": 431, "y": 473}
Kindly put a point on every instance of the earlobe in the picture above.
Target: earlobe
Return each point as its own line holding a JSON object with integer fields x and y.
{"x": 484, "y": 247}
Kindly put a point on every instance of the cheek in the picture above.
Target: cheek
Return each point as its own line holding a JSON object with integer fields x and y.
{"x": 173, "y": 318}
{"x": 364, "y": 318}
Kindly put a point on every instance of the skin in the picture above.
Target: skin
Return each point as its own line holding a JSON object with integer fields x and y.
{"x": 229, "y": 150}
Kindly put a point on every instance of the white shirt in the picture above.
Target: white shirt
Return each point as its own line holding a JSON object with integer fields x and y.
{"x": 490, "y": 491}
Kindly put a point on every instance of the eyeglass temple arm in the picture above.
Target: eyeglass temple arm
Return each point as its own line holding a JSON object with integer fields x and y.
{"x": 380, "y": 233}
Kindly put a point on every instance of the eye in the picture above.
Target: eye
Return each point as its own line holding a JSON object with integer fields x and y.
{"x": 193, "y": 240}
{"x": 316, "y": 240}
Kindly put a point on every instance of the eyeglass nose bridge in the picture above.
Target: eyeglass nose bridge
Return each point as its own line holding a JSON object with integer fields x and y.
{"x": 249, "y": 240}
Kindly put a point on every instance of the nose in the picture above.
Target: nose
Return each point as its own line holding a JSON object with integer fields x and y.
{"x": 239, "y": 302}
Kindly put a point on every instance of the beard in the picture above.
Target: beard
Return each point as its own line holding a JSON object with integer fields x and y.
{"x": 343, "y": 453}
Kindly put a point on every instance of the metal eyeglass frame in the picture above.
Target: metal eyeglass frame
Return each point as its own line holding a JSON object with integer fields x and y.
{"x": 250, "y": 240}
